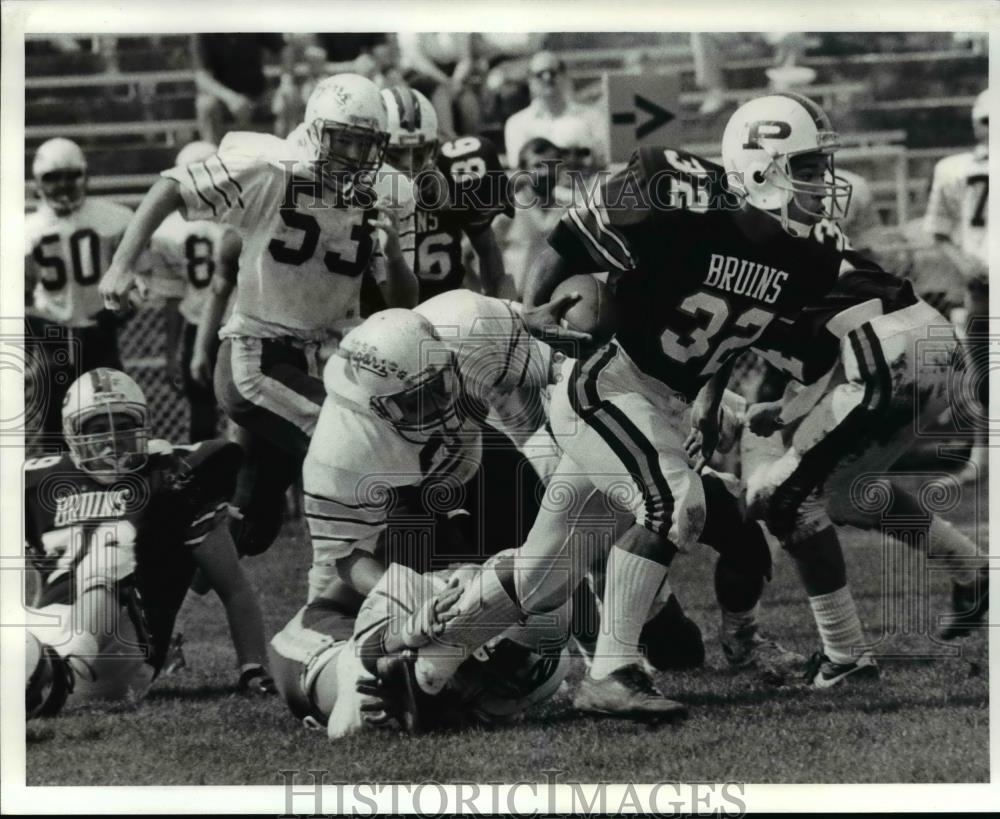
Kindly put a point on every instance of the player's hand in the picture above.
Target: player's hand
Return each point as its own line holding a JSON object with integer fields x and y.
{"x": 706, "y": 429}
{"x": 429, "y": 620}
{"x": 116, "y": 286}
{"x": 387, "y": 221}
{"x": 545, "y": 320}
{"x": 201, "y": 369}
{"x": 764, "y": 419}
{"x": 255, "y": 681}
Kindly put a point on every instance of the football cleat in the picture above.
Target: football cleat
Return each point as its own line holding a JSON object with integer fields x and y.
{"x": 970, "y": 603}
{"x": 822, "y": 672}
{"x": 49, "y": 679}
{"x": 175, "y": 659}
{"x": 746, "y": 648}
{"x": 627, "y": 692}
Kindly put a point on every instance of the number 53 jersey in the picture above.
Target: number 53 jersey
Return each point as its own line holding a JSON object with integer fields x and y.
{"x": 303, "y": 253}
{"x": 65, "y": 257}
{"x": 693, "y": 287}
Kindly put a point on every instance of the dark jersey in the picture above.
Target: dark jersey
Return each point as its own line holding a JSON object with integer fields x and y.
{"x": 692, "y": 287}
{"x": 162, "y": 513}
{"x": 805, "y": 348}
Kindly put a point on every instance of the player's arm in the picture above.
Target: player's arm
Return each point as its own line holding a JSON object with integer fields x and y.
{"x": 217, "y": 559}
{"x": 706, "y": 415}
{"x": 491, "y": 268}
{"x": 160, "y": 201}
{"x": 396, "y": 279}
{"x": 220, "y": 290}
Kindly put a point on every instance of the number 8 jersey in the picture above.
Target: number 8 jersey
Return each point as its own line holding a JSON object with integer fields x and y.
{"x": 303, "y": 253}
{"x": 694, "y": 288}
{"x": 65, "y": 257}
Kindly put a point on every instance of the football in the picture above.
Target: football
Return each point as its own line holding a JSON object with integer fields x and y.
{"x": 595, "y": 312}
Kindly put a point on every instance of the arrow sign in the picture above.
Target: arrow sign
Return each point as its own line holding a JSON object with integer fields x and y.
{"x": 642, "y": 111}
{"x": 658, "y": 116}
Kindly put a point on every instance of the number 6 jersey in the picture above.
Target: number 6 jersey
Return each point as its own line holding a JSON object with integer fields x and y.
{"x": 304, "y": 252}
{"x": 694, "y": 288}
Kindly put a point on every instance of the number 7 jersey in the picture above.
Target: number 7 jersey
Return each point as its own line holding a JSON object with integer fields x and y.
{"x": 303, "y": 254}
{"x": 693, "y": 288}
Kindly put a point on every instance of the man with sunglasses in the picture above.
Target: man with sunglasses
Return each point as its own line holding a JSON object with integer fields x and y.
{"x": 553, "y": 113}
{"x": 306, "y": 209}
{"x": 68, "y": 244}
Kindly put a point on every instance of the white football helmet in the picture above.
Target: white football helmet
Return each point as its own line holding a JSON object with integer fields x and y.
{"x": 120, "y": 444}
{"x": 396, "y": 365}
{"x": 197, "y": 151}
{"x": 413, "y": 130}
{"x": 60, "y": 171}
{"x": 761, "y": 138}
{"x": 346, "y": 126}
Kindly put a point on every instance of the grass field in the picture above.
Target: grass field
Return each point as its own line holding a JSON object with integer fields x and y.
{"x": 925, "y": 721}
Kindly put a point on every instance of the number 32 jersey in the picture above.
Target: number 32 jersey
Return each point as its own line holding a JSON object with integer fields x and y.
{"x": 65, "y": 256}
{"x": 303, "y": 253}
{"x": 694, "y": 288}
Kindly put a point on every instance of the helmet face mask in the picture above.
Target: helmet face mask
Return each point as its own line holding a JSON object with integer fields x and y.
{"x": 105, "y": 424}
{"x": 425, "y": 408}
{"x": 345, "y": 150}
{"x": 809, "y": 200}
{"x": 411, "y": 159}
{"x": 60, "y": 172}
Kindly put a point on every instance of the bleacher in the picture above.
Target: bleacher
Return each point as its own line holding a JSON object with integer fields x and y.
{"x": 904, "y": 105}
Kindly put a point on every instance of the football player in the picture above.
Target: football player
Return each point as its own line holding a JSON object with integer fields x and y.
{"x": 704, "y": 258}
{"x": 306, "y": 210}
{"x": 185, "y": 256}
{"x": 338, "y": 671}
{"x": 460, "y": 188}
{"x": 872, "y": 368}
{"x": 69, "y": 242}
{"x": 958, "y": 219}
{"x": 116, "y": 529}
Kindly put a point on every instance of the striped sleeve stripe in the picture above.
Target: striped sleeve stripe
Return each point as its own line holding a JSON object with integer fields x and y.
{"x": 611, "y": 240}
{"x": 229, "y": 176}
{"x": 204, "y": 524}
{"x": 363, "y": 633}
{"x": 195, "y": 540}
{"x": 600, "y": 255}
{"x": 333, "y": 502}
{"x": 605, "y": 226}
{"x": 209, "y": 515}
{"x": 197, "y": 190}
{"x": 407, "y": 232}
{"x": 394, "y": 600}
{"x": 225, "y": 178}
{"x": 215, "y": 185}
{"x": 514, "y": 338}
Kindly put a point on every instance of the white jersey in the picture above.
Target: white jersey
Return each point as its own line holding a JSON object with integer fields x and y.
{"x": 303, "y": 253}
{"x": 354, "y": 455}
{"x": 67, "y": 255}
{"x": 183, "y": 257}
{"x": 959, "y": 202}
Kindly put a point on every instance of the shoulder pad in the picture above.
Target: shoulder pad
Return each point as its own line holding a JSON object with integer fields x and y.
{"x": 35, "y": 469}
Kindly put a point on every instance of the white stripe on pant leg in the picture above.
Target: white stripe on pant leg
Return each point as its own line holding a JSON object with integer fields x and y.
{"x": 269, "y": 393}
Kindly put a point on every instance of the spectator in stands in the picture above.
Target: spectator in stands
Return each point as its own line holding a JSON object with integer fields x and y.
{"x": 541, "y": 195}
{"x": 554, "y": 113}
{"x": 441, "y": 66}
{"x": 957, "y": 217}
{"x": 229, "y": 76}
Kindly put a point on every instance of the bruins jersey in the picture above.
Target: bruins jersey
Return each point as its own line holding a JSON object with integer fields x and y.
{"x": 65, "y": 257}
{"x": 304, "y": 250}
{"x": 354, "y": 460}
{"x": 695, "y": 288}
{"x": 959, "y": 202}
{"x": 183, "y": 258}
{"x": 806, "y": 348}
{"x": 153, "y": 518}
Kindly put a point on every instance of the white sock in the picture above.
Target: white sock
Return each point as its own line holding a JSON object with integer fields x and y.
{"x": 486, "y": 611}
{"x": 838, "y": 623}
{"x": 630, "y": 587}
{"x": 944, "y": 540}
{"x": 736, "y": 621}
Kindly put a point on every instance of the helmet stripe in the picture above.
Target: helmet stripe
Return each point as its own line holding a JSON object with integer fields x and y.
{"x": 403, "y": 109}
{"x": 819, "y": 117}
{"x": 416, "y": 110}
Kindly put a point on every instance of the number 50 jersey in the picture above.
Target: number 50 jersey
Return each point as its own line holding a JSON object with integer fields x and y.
{"x": 66, "y": 255}
{"x": 303, "y": 252}
{"x": 693, "y": 288}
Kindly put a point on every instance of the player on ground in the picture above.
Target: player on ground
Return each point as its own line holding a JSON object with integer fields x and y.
{"x": 702, "y": 265}
{"x": 332, "y": 669}
{"x": 306, "y": 210}
{"x": 873, "y": 368}
{"x": 958, "y": 219}
{"x": 185, "y": 256}
{"x": 115, "y": 530}
{"x": 68, "y": 244}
